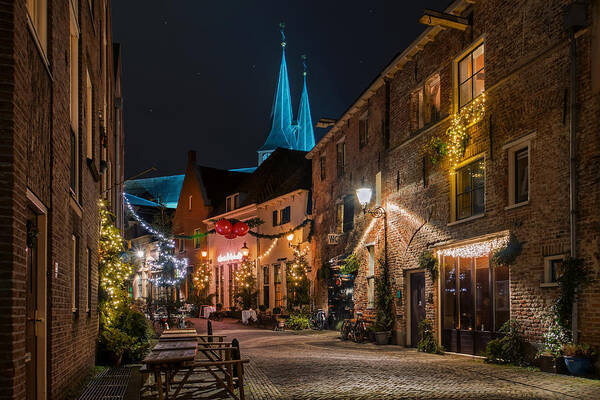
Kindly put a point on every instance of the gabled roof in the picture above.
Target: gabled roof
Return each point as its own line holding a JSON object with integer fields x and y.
{"x": 216, "y": 184}
{"x": 281, "y": 134}
{"x": 164, "y": 190}
{"x": 285, "y": 171}
{"x": 138, "y": 201}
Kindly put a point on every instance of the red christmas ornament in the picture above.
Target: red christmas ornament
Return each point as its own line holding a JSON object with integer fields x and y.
{"x": 223, "y": 227}
{"x": 240, "y": 228}
{"x": 230, "y": 236}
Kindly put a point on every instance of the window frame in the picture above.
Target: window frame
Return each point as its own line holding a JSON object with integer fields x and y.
{"x": 74, "y": 273}
{"x": 428, "y": 115}
{"x": 89, "y": 117}
{"x": 37, "y": 18}
{"x": 363, "y": 134}
{"x": 455, "y": 194}
{"x": 457, "y": 83}
{"x": 232, "y": 202}
{"x": 323, "y": 167}
{"x": 548, "y": 262}
{"x": 285, "y": 215}
{"x": 512, "y": 148}
{"x": 197, "y": 238}
{"x": 416, "y": 109}
{"x": 340, "y": 162}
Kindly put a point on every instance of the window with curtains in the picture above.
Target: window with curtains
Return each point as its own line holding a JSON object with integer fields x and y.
{"x": 469, "y": 188}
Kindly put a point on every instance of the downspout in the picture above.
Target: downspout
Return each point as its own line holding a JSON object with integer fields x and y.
{"x": 572, "y": 166}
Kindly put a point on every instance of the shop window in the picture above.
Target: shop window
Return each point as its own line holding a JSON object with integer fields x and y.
{"x": 371, "y": 277}
{"x": 469, "y": 186}
{"x": 471, "y": 76}
{"x": 341, "y": 158}
{"x": 363, "y": 131}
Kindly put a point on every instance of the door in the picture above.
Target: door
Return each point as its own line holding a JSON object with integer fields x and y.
{"x": 417, "y": 305}
{"x": 31, "y": 301}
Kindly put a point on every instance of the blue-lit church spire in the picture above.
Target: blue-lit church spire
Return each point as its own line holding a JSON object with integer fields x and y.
{"x": 306, "y": 135}
{"x": 282, "y": 131}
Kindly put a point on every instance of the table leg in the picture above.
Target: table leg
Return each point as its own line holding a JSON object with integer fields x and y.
{"x": 158, "y": 379}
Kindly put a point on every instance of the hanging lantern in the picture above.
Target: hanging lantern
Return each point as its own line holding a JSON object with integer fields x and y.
{"x": 223, "y": 227}
{"x": 230, "y": 235}
{"x": 240, "y": 228}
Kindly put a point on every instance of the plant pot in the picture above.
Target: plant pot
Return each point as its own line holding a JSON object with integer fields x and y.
{"x": 382, "y": 338}
{"x": 547, "y": 363}
{"x": 371, "y": 335}
{"x": 578, "y": 366}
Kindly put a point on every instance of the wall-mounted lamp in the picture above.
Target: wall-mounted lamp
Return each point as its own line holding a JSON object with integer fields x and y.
{"x": 140, "y": 253}
{"x": 364, "y": 197}
{"x": 290, "y": 237}
{"x": 204, "y": 253}
{"x": 245, "y": 250}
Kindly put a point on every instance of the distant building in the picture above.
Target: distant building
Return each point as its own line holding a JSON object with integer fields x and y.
{"x": 62, "y": 151}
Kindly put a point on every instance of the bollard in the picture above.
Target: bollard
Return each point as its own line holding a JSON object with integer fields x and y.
{"x": 209, "y": 330}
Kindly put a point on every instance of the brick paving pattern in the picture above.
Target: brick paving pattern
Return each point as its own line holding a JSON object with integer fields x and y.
{"x": 317, "y": 365}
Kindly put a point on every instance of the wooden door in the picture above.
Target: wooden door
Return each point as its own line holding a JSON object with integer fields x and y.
{"x": 417, "y": 305}
{"x": 31, "y": 311}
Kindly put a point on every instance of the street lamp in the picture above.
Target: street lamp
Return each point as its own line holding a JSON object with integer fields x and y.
{"x": 245, "y": 250}
{"x": 204, "y": 253}
{"x": 290, "y": 237}
{"x": 364, "y": 197}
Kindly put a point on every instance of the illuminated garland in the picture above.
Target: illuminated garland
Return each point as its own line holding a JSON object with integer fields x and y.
{"x": 282, "y": 234}
{"x": 298, "y": 270}
{"x": 171, "y": 242}
{"x": 114, "y": 272}
{"x": 475, "y": 249}
{"x": 457, "y": 133}
{"x": 244, "y": 276}
{"x": 266, "y": 253}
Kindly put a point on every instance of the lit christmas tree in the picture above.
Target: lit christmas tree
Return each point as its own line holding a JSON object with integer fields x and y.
{"x": 297, "y": 280}
{"x": 245, "y": 280}
{"x": 201, "y": 279}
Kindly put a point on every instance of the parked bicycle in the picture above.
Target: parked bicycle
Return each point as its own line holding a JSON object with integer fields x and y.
{"x": 354, "y": 329}
{"x": 318, "y": 320}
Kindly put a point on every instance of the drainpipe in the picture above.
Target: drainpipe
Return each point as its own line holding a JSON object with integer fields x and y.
{"x": 575, "y": 18}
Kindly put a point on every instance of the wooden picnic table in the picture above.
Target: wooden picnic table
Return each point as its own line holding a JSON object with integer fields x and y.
{"x": 178, "y": 336}
{"x": 179, "y": 331}
{"x": 175, "y": 345}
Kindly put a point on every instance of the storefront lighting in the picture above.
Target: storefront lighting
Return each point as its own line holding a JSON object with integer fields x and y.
{"x": 475, "y": 249}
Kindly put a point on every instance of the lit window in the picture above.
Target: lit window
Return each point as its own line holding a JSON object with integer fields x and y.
{"x": 432, "y": 99}
{"x": 37, "y": 10}
{"x": 416, "y": 110}
{"x": 471, "y": 76}
{"x": 341, "y": 158}
{"x": 469, "y": 189}
{"x": 197, "y": 238}
{"x": 363, "y": 131}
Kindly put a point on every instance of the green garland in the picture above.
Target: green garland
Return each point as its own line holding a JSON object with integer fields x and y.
{"x": 283, "y": 234}
{"x": 253, "y": 223}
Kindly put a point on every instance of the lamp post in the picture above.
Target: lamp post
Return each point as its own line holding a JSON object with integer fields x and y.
{"x": 364, "y": 198}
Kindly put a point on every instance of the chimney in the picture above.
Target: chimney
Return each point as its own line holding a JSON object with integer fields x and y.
{"x": 192, "y": 157}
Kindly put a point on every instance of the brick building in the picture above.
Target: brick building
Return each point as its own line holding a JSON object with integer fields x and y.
{"x": 523, "y": 80}
{"x": 61, "y": 135}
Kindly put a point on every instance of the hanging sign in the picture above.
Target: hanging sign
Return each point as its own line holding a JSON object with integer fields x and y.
{"x": 229, "y": 256}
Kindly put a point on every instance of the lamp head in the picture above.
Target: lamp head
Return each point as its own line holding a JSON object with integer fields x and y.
{"x": 139, "y": 253}
{"x": 290, "y": 237}
{"x": 364, "y": 196}
{"x": 245, "y": 250}
{"x": 204, "y": 253}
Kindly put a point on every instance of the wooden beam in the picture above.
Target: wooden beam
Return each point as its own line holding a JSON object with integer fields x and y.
{"x": 436, "y": 18}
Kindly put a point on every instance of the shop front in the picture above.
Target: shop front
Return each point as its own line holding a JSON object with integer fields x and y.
{"x": 475, "y": 296}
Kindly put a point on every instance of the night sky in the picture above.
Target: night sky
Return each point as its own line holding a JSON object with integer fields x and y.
{"x": 201, "y": 75}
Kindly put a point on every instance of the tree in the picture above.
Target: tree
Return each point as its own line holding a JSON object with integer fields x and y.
{"x": 298, "y": 284}
{"x": 245, "y": 280}
{"x": 384, "y": 299}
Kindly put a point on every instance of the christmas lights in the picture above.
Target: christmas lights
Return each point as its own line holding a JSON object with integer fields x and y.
{"x": 475, "y": 249}
{"x": 171, "y": 242}
{"x": 201, "y": 279}
{"x": 457, "y": 133}
{"x": 268, "y": 251}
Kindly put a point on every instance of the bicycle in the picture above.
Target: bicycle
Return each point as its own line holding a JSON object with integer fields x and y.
{"x": 318, "y": 320}
{"x": 354, "y": 329}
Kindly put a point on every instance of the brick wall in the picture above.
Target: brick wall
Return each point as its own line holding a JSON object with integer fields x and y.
{"x": 35, "y": 153}
{"x": 527, "y": 78}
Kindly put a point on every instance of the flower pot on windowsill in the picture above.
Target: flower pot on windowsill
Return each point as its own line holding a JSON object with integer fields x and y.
{"x": 578, "y": 366}
{"x": 382, "y": 337}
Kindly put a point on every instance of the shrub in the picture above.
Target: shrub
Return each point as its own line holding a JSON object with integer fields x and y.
{"x": 298, "y": 320}
{"x": 428, "y": 343}
{"x": 384, "y": 300}
{"x": 509, "y": 348}
{"x": 128, "y": 335}
{"x": 276, "y": 310}
{"x": 578, "y": 350}
{"x": 555, "y": 338}
{"x": 350, "y": 265}
{"x": 262, "y": 308}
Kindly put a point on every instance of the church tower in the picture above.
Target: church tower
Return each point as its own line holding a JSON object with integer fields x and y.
{"x": 282, "y": 132}
{"x": 306, "y": 135}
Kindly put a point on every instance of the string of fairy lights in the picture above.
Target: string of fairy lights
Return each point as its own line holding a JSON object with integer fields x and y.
{"x": 474, "y": 250}
{"x": 268, "y": 251}
{"x": 457, "y": 132}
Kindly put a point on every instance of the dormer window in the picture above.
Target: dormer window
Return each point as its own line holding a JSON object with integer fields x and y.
{"x": 232, "y": 202}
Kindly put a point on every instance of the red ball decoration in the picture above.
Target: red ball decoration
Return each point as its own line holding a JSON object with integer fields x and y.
{"x": 230, "y": 236}
{"x": 223, "y": 227}
{"x": 240, "y": 228}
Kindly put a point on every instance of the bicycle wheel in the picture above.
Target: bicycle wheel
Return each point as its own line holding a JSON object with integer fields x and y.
{"x": 344, "y": 331}
{"x": 360, "y": 332}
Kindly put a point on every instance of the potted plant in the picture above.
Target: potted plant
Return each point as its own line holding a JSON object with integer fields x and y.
{"x": 276, "y": 310}
{"x": 578, "y": 358}
{"x": 384, "y": 303}
{"x": 262, "y": 308}
{"x": 550, "y": 359}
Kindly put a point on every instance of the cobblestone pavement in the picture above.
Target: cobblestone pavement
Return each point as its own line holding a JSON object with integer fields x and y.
{"x": 317, "y": 365}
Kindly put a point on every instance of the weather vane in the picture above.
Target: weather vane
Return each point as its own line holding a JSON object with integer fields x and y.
{"x": 303, "y": 57}
{"x": 281, "y": 29}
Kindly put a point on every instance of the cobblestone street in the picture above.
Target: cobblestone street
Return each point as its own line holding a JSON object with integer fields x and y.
{"x": 317, "y": 365}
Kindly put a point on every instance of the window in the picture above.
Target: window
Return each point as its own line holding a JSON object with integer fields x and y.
{"x": 275, "y": 218}
{"x": 371, "y": 277}
{"x": 363, "y": 132}
{"x": 378, "y": 189}
{"x": 74, "y": 103}
{"x": 197, "y": 238}
{"x": 277, "y": 281}
{"x": 432, "y": 99}
{"x": 339, "y": 218}
{"x": 469, "y": 189}
{"x": 348, "y": 213}
{"x": 232, "y": 202}
{"x": 323, "y": 165}
{"x": 284, "y": 215}
{"x": 266, "y": 286}
{"x": 37, "y": 10}
{"x": 74, "y": 181}
{"x": 74, "y": 273}
{"x": 181, "y": 243}
{"x": 89, "y": 127}
{"x": 88, "y": 254}
{"x": 341, "y": 156}
{"x": 416, "y": 110}
{"x": 471, "y": 76}
{"x": 190, "y": 202}
{"x": 521, "y": 175}
{"x": 552, "y": 269}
